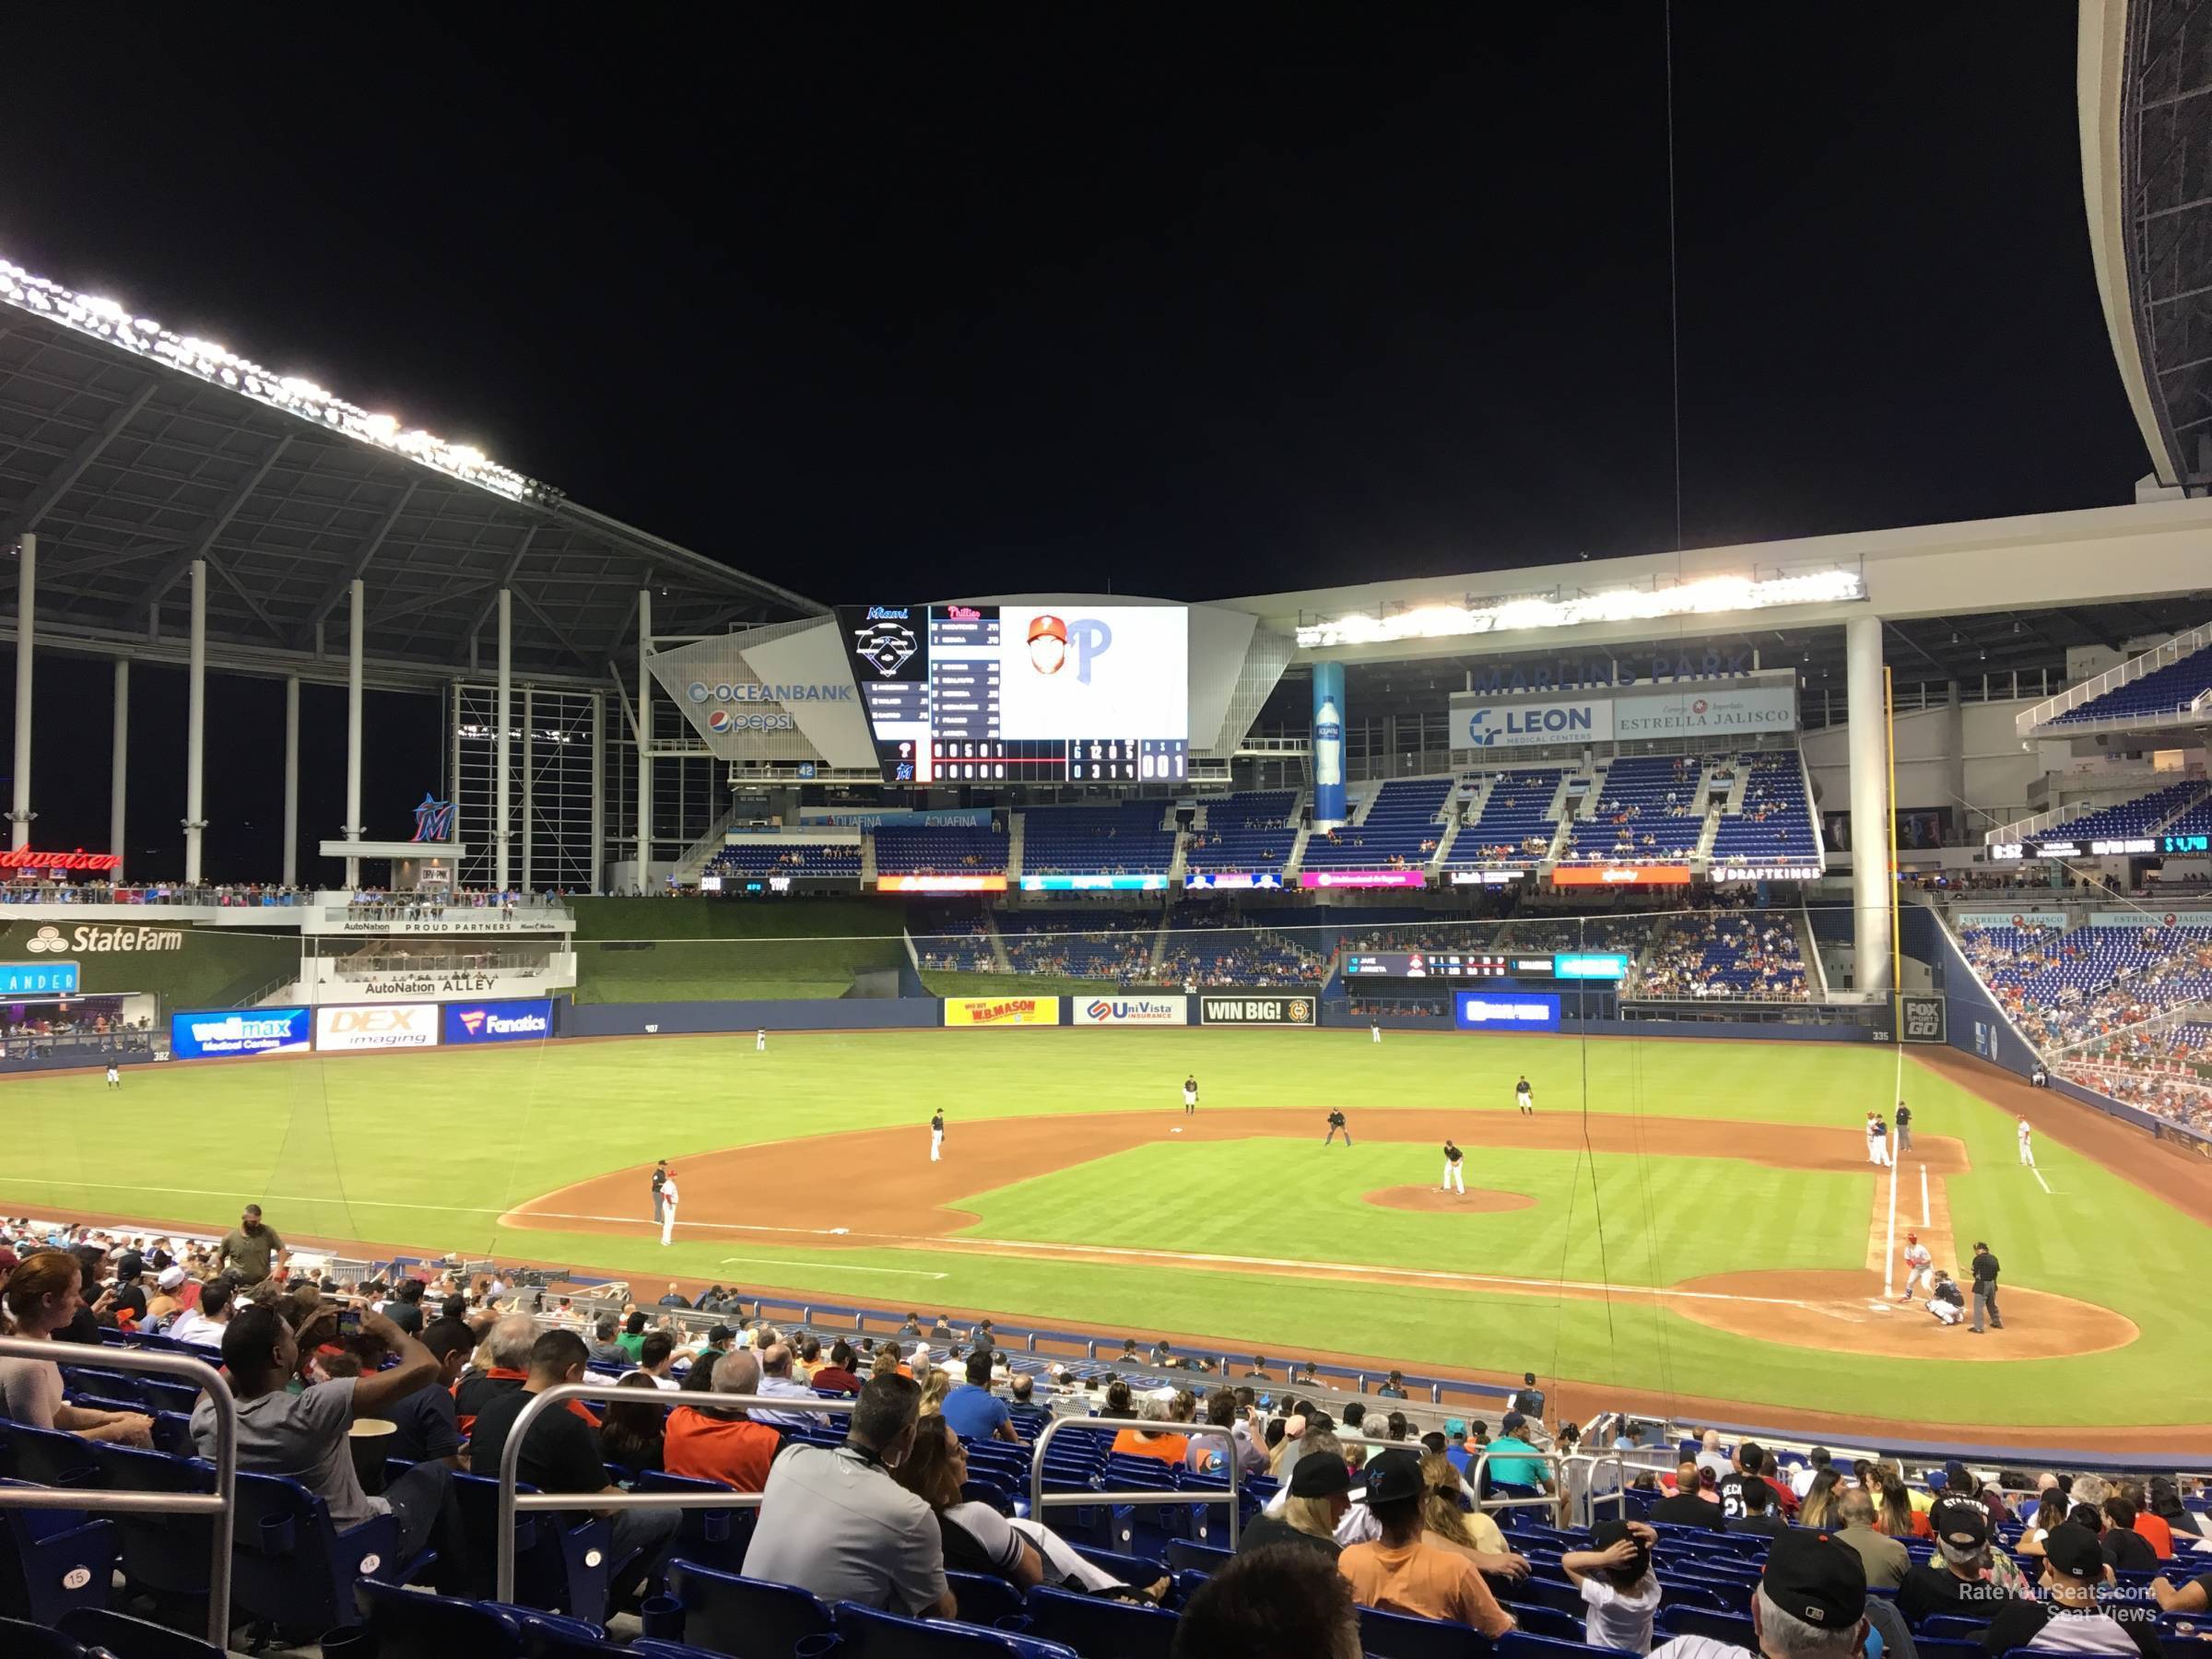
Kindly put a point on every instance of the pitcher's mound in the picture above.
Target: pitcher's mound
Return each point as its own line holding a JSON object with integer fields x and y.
{"x": 1427, "y": 1200}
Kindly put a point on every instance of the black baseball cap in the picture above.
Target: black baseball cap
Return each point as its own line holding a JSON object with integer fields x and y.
{"x": 1961, "y": 1528}
{"x": 1323, "y": 1476}
{"x": 1391, "y": 1476}
{"x": 2073, "y": 1552}
{"x": 1812, "y": 1576}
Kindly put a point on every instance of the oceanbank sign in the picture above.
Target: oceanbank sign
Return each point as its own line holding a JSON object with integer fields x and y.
{"x": 754, "y": 691}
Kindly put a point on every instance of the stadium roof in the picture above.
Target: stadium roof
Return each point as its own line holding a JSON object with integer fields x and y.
{"x": 132, "y": 451}
{"x": 2144, "y": 98}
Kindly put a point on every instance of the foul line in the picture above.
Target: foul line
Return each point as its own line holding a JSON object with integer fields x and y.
{"x": 994, "y": 1246}
{"x": 2039, "y": 1181}
{"x": 782, "y": 1262}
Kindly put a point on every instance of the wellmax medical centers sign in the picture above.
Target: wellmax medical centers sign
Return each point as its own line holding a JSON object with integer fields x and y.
{"x": 1712, "y": 709}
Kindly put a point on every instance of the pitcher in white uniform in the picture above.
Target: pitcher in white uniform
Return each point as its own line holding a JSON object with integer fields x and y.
{"x": 668, "y": 1209}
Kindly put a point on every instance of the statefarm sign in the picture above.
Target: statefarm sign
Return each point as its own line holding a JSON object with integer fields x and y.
{"x": 50, "y": 941}
{"x": 25, "y": 858}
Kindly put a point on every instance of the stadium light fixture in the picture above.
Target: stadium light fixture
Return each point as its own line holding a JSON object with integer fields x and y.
{"x": 1705, "y": 596}
{"x": 106, "y": 319}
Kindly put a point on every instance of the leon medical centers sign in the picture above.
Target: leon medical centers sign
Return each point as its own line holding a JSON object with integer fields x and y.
{"x": 1546, "y": 720}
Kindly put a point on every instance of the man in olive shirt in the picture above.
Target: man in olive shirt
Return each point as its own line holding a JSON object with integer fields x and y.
{"x": 1887, "y": 1561}
{"x": 250, "y": 1251}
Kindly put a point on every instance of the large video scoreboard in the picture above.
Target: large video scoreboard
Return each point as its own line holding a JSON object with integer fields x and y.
{"x": 1021, "y": 694}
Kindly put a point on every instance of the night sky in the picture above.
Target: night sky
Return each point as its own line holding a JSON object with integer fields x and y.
{"x": 1194, "y": 305}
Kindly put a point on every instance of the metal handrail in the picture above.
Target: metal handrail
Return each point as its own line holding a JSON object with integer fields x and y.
{"x": 1551, "y": 1460}
{"x": 220, "y": 1505}
{"x": 1039, "y": 1499}
{"x": 513, "y": 1502}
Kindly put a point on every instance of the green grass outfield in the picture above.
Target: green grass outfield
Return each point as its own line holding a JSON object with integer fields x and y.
{"x": 431, "y": 1148}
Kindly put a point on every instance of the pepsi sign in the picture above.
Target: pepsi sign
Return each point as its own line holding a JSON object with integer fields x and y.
{"x": 524, "y": 1020}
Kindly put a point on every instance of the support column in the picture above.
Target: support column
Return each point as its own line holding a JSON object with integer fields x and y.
{"x": 597, "y": 882}
{"x": 503, "y": 783}
{"x": 1954, "y": 734}
{"x": 529, "y": 803}
{"x": 644, "y": 738}
{"x": 1870, "y": 826}
{"x": 355, "y": 636}
{"x": 195, "y": 728}
{"x": 292, "y": 780}
{"x": 119, "y": 765}
{"x": 27, "y": 628}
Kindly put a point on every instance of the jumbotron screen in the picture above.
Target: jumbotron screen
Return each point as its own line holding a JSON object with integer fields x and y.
{"x": 1039, "y": 693}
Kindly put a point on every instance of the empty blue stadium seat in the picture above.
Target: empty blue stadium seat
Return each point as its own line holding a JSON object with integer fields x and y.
{"x": 560, "y": 1561}
{"x": 293, "y": 1568}
{"x": 1125, "y": 839}
{"x": 2162, "y": 691}
{"x": 1099, "y": 1627}
{"x": 1515, "y": 826}
{"x": 129, "y": 1638}
{"x": 1401, "y": 827}
{"x": 407, "y": 1621}
{"x": 871, "y": 1634}
{"x": 22, "y": 1639}
{"x": 1248, "y": 831}
{"x": 1519, "y": 1644}
{"x": 164, "y": 1556}
{"x": 737, "y": 1614}
{"x": 1384, "y": 1635}
{"x": 51, "y": 1562}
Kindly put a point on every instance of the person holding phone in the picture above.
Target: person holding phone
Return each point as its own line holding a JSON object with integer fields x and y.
{"x": 303, "y": 1436}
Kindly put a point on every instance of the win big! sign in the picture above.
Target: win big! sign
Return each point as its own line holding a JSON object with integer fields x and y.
{"x": 1256, "y": 1010}
{"x": 519, "y": 1021}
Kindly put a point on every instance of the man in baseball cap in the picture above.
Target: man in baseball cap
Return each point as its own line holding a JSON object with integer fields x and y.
{"x": 1405, "y": 1571}
{"x": 1811, "y": 1603}
{"x": 2071, "y": 1619}
{"x": 1958, "y": 1581}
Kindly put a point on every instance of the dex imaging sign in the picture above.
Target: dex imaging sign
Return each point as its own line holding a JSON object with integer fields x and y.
{"x": 523, "y": 1021}
{"x": 354, "y": 1030}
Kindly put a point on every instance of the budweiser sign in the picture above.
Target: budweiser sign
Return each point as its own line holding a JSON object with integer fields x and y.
{"x": 24, "y": 858}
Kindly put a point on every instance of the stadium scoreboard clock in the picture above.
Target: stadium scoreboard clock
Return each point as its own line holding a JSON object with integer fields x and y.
{"x": 1059, "y": 692}
{"x": 1605, "y": 965}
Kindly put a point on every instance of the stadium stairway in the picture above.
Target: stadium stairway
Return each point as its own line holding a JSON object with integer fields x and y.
{"x": 999, "y": 958}
{"x": 1018, "y": 837}
{"x": 1443, "y": 844}
{"x": 867, "y": 860}
{"x": 1297, "y": 861}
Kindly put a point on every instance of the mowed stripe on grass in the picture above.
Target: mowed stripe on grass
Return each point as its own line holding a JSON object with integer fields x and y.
{"x": 480, "y": 1132}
